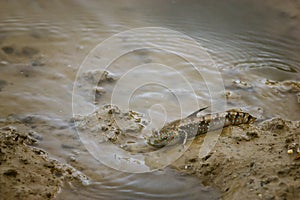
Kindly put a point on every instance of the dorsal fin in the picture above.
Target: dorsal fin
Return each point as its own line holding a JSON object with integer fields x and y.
{"x": 196, "y": 112}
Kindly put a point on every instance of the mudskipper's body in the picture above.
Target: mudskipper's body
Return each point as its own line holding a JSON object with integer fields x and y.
{"x": 194, "y": 125}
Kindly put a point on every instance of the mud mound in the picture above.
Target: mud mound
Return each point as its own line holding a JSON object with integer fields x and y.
{"x": 27, "y": 172}
{"x": 250, "y": 162}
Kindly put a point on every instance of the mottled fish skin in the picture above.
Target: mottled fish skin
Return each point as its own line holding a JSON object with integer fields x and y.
{"x": 191, "y": 126}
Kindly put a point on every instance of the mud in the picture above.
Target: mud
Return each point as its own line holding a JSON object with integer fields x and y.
{"x": 22, "y": 51}
{"x": 249, "y": 162}
{"x": 110, "y": 124}
{"x": 260, "y": 161}
{"x": 2, "y": 84}
{"x": 26, "y": 171}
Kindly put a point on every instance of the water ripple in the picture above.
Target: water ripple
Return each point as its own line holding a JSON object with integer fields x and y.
{"x": 265, "y": 63}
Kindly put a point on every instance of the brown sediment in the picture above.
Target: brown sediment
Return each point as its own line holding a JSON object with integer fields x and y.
{"x": 249, "y": 162}
{"x": 27, "y": 172}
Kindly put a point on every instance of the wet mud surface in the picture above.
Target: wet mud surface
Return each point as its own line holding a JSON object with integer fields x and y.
{"x": 257, "y": 161}
{"x": 28, "y": 172}
{"x": 250, "y": 162}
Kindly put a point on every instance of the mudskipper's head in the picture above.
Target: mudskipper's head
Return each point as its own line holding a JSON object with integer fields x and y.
{"x": 161, "y": 138}
{"x": 251, "y": 119}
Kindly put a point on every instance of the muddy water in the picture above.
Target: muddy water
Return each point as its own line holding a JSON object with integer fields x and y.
{"x": 255, "y": 47}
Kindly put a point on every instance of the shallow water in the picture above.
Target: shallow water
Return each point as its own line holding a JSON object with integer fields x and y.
{"x": 43, "y": 45}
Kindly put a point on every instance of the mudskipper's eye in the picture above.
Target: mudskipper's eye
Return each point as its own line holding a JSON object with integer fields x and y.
{"x": 165, "y": 136}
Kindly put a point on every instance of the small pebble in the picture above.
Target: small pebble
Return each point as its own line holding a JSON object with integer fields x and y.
{"x": 3, "y": 62}
{"x": 80, "y": 47}
{"x": 187, "y": 166}
{"x": 290, "y": 151}
{"x": 73, "y": 158}
{"x": 241, "y": 84}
